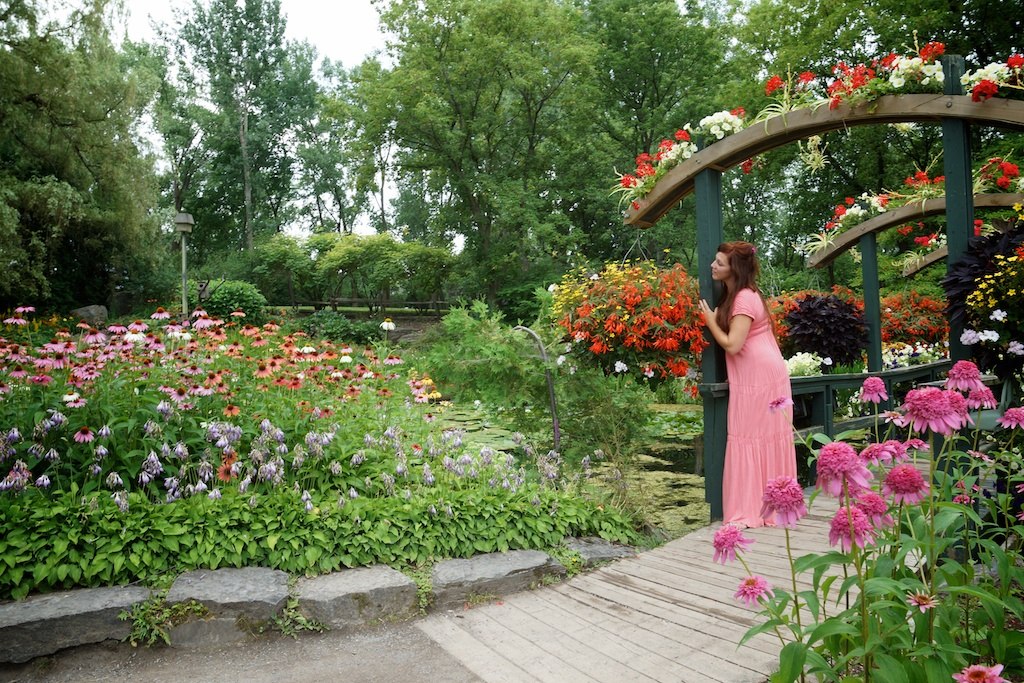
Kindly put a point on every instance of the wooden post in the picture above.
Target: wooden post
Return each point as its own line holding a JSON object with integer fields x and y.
{"x": 956, "y": 157}
{"x": 872, "y": 300}
{"x": 708, "y": 191}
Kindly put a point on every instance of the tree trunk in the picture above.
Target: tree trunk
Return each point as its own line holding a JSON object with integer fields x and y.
{"x": 243, "y": 138}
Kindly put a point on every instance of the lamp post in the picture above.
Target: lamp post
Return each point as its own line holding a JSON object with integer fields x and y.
{"x": 183, "y": 225}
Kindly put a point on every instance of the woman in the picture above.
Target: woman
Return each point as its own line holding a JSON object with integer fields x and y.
{"x": 760, "y": 446}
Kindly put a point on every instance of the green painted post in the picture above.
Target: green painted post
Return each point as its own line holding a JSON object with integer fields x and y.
{"x": 956, "y": 154}
{"x": 872, "y": 300}
{"x": 708, "y": 192}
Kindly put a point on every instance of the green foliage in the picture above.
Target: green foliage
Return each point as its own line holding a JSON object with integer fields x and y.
{"x": 228, "y": 296}
{"x": 291, "y": 621}
{"x": 328, "y": 324}
{"x": 422, "y": 576}
{"x": 153, "y": 619}
{"x": 74, "y": 542}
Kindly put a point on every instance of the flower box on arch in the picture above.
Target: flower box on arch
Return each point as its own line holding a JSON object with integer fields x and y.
{"x": 632, "y": 319}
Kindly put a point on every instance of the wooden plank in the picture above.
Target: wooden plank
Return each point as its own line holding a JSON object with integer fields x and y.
{"x": 472, "y": 653}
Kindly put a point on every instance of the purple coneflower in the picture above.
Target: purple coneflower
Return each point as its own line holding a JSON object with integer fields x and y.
{"x": 874, "y": 508}
{"x": 1013, "y": 417}
{"x": 727, "y": 540}
{"x": 752, "y": 589}
{"x": 838, "y": 462}
{"x": 906, "y": 485}
{"x": 873, "y": 390}
{"x": 930, "y": 408}
{"x": 160, "y": 314}
{"x": 922, "y": 601}
{"x": 964, "y": 376}
{"x": 84, "y": 435}
{"x": 784, "y": 501}
{"x": 780, "y": 403}
{"x": 981, "y": 398}
{"x": 979, "y": 673}
{"x": 850, "y": 527}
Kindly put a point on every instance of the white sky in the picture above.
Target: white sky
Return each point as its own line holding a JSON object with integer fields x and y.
{"x": 341, "y": 30}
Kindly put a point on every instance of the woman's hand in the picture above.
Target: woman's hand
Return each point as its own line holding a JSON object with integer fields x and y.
{"x": 709, "y": 313}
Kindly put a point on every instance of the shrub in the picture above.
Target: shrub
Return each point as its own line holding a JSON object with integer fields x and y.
{"x": 829, "y": 327}
{"x": 332, "y": 325}
{"x": 229, "y": 296}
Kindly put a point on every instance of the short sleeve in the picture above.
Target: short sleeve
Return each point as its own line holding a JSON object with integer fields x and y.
{"x": 748, "y": 303}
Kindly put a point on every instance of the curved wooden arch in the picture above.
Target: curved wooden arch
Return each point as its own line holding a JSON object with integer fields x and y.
{"x": 802, "y": 123}
{"x": 926, "y": 260}
{"x": 908, "y": 212}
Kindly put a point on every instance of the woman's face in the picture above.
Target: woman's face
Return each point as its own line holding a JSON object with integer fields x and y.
{"x": 720, "y": 268}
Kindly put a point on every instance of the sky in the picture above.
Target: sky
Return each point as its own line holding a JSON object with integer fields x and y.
{"x": 341, "y": 30}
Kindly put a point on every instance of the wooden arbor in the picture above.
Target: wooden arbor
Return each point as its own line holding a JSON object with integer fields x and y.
{"x": 702, "y": 175}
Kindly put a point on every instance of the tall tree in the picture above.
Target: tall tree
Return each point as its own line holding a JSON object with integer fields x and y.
{"x": 75, "y": 192}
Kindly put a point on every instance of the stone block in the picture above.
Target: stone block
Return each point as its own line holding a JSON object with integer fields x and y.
{"x": 357, "y": 597}
{"x": 455, "y": 581}
{"x": 94, "y": 315}
{"x": 594, "y": 550}
{"x": 43, "y": 624}
{"x": 254, "y": 594}
{"x": 207, "y": 633}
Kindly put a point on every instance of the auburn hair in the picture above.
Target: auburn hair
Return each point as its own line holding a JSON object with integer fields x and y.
{"x": 745, "y": 270}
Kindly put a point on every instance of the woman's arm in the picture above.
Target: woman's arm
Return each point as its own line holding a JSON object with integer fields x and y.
{"x": 739, "y": 328}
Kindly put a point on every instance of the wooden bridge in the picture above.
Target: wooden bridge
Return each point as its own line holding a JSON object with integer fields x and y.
{"x": 666, "y": 615}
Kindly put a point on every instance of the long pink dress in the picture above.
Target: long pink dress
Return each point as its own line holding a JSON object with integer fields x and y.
{"x": 760, "y": 444}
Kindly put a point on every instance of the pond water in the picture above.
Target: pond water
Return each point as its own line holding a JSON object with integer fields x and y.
{"x": 660, "y": 481}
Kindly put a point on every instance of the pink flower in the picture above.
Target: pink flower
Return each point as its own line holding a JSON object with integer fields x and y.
{"x": 915, "y": 445}
{"x": 874, "y": 508}
{"x": 981, "y": 398}
{"x": 84, "y": 435}
{"x": 1013, "y": 417}
{"x": 964, "y": 376}
{"x": 160, "y": 314}
{"x": 838, "y": 462}
{"x": 728, "y": 539}
{"x": 783, "y": 501}
{"x": 930, "y": 408}
{"x": 873, "y": 390}
{"x": 15, "y": 319}
{"x": 850, "y": 527}
{"x": 922, "y": 601}
{"x": 780, "y": 403}
{"x": 25, "y": 309}
{"x": 979, "y": 673}
{"x": 882, "y": 453}
{"x": 752, "y": 589}
{"x": 905, "y": 484}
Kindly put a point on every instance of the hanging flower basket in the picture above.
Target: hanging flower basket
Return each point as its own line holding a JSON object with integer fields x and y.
{"x": 632, "y": 319}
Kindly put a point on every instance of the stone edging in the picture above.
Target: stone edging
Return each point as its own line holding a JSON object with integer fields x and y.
{"x": 238, "y": 599}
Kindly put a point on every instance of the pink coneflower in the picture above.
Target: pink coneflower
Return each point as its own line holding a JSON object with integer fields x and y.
{"x": 922, "y": 601}
{"x": 4, "y": 388}
{"x": 17, "y": 372}
{"x": 160, "y": 313}
{"x": 878, "y": 453}
{"x": 783, "y": 501}
{"x": 25, "y": 309}
{"x": 40, "y": 379}
{"x": 84, "y": 435}
{"x": 981, "y": 398}
{"x": 15, "y": 319}
{"x": 850, "y": 527}
{"x": 874, "y": 508}
{"x": 1012, "y": 417}
{"x": 906, "y": 485}
{"x": 752, "y": 589}
{"x": 929, "y": 408}
{"x": 238, "y": 313}
{"x": 873, "y": 390}
{"x": 393, "y": 360}
{"x": 779, "y": 403}
{"x": 838, "y": 462}
{"x": 178, "y": 394}
{"x": 250, "y": 331}
{"x": 958, "y": 404}
{"x": 203, "y": 321}
{"x": 979, "y": 673}
{"x": 727, "y": 540}
{"x": 94, "y": 336}
{"x": 916, "y": 445}
{"x": 137, "y": 326}
{"x": 117, "y": 329}
{"x": 964, "y": 376}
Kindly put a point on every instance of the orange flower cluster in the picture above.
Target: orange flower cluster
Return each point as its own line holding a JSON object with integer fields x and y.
{"x": 633, "y": 319}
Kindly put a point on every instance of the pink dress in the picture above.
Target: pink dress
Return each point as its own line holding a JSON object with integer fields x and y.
{"x": 760, "y": 444}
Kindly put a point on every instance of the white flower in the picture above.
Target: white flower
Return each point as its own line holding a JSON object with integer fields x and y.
{"x": 307, "y": 350}
{"x": 70, "y": 397}
{"x": 1016, "y": 348}
{"x": 826, "y": 361}
{"x": 620, "y": 366}
{"x": 560, "y": 360}
{"x": 345, "y": 359}
{"x": 989, "y": 335}
{"x": 388, "y": 325}
{"x": 998, "y": 315}
{"x": 134, "y": 338}
{"x": 969, "y": 337}
{"x": 648, "y": 372}
{"x": 337, "y": 375}
{"x": 552, "y": 288}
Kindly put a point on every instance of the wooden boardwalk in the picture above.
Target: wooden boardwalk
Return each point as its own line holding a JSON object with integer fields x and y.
{"x": 666, "y": 615}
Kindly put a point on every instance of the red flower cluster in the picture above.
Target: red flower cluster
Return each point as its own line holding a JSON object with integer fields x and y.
{"x": 911, "y": 318}
{"x": 637, "y": 317}
{"x": 926, "y": 240}
{"x": 921, "y": 179}
{"x": 909, "y": 228}
{"x": 848, "y": 80}
{"x": 983, "y": 90}
{"x": 645, "y": 161}
{"x": 999, "y": 170}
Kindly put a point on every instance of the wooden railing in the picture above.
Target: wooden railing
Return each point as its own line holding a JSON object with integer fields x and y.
{"x": 373, "y": 305}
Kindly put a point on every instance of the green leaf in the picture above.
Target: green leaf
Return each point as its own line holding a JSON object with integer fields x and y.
{"x": 791, "y": 663}
{"x": 272, "y": 540}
